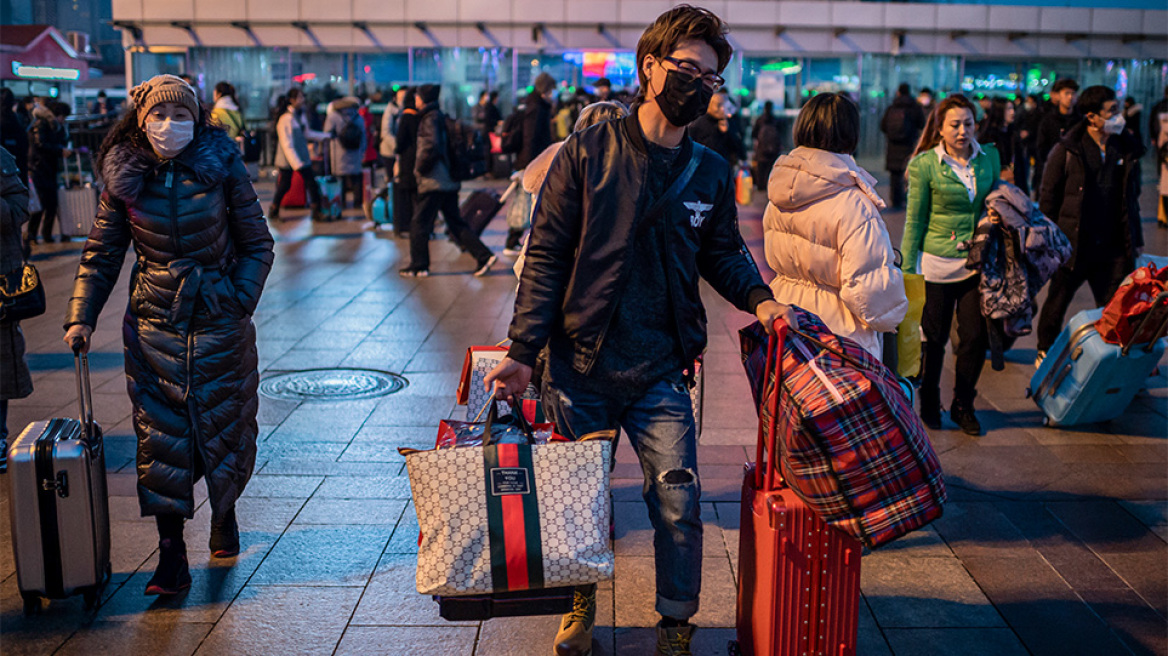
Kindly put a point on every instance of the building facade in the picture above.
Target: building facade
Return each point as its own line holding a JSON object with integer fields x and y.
{"x": 785, "y": 50}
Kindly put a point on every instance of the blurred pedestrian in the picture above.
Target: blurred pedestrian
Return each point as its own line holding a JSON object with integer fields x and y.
{"x": 405, "y": 189}
{"x": 387, "y": 146}
{"x": 901, "y": 124}
{"x": 536, "y": 124}
{"x": 486, "y": 114}
{"x": 292, "y": 155}
{"x": 101, "y": 106}
{"x": 1000, "y": 129}
{"x": 47, "y": 147}
{"x": 346, "y": 145}
{"x": 950, "y": 176}
{"x": 824, "y": 236}
{"x": 1091, "y": 188}
{"x": 15, "y": 378}
{"x": 925, "y": 99}
{"x": 1056, "y": 122}
{"x": 438, "y": 191}
{"x": 226, "y": 112}
{"x": 1133, "y": 114}
{"x": 371, "y": 156}
{"x": 603, "y": 88}
{"x": 177, "y": 190}
{"x": 767, "y": 136}
{"x": 610, "y": 291}
{"x": 13, "y": 133}
{"x": 1029, "y": 116}
{"x": 717, "y": 131}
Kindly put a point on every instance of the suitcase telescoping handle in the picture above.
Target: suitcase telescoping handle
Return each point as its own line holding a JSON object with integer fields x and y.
{"x": 768, "y": 431}
{"x": 84, "y": 390}
{"x": 1161, "y": 299}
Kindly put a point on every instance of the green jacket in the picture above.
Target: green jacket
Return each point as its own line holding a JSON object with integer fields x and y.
{"x": 940, "y": 215}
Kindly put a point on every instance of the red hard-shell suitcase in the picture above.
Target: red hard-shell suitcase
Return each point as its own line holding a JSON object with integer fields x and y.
{"x": 798, "y": 578}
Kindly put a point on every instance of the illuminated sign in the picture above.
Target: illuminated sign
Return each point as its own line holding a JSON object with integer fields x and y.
{"x": 45, "y": 72}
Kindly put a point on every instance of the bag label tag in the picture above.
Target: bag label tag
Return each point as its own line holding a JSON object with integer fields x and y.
{"x": 509, "y": 480}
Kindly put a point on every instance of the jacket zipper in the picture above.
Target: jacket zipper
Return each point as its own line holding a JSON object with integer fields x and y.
{"x": 174, "y": 233}
{"x": 173, "y": 194}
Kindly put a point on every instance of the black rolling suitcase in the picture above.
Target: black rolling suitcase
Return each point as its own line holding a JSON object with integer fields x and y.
{"x": 548, "y": 601}
{"x": 58, "y": 505}
{"x": 483, "y": 205}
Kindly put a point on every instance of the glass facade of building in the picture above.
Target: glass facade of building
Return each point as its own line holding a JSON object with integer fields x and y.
{"x": 260, "y": 75}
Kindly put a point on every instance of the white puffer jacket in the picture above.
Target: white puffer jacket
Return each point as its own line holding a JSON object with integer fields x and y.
{"x": 826, "y": 241}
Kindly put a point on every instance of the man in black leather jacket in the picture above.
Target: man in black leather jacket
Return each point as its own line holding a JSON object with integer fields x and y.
{"x": 632, "y": 212}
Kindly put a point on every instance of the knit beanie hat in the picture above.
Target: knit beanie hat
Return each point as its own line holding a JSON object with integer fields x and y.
{"x": 160, "y": 89}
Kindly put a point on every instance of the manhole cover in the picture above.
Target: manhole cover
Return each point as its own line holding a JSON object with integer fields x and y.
{"x": 331, "y": 384}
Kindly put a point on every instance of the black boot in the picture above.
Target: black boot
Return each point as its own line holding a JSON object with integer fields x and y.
{"x": 274, "y": 213}
{"x": 931, "y": 408}
{"x": 962, "y": 414}
{"x": 173, "y": 574}
{"x": 224, "y": 542}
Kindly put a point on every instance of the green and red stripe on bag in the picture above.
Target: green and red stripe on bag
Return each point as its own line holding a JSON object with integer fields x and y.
{"x": 508, "y": 517}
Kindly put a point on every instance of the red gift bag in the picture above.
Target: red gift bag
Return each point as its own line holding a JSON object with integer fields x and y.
{"x": 1123, "y": 321}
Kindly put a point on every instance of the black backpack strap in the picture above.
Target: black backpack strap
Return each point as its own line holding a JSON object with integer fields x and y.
{"x": 679, "y": 183}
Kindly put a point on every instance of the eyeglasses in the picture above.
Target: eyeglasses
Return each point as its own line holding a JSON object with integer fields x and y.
{"x": 691, "y": 73}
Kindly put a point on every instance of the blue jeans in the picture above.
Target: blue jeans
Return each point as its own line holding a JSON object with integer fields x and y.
{"x": 660, "y": 426}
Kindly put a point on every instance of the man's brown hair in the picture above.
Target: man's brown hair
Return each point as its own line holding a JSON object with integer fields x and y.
{"x": 678, "y": 25}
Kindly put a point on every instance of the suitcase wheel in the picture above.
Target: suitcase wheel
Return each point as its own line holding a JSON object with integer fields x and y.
{"x": 32, "y": 602}
{"x": 1046, "y": 421}
{"x": 91, "y": 596}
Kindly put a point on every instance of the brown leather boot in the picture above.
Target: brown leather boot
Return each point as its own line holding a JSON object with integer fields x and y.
{"x": 575, "y": 636}
{"x": 674, "y": 640}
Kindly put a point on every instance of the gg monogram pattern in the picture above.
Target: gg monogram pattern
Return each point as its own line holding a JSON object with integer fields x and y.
{"x": 449, "y": 491}
{"x": 449, "y": 497}
{"x": 477, "y": 397}
{"x": 572, "y": 481}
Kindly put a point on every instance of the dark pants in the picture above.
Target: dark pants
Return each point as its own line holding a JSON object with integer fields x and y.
{"x": 352, "y": 184}
{"x": 899, "y": 192}
{"x": 425, "y": 212}
{"x": 942, "y": 302}
{"x": 3, "y": 434}
{"x": 1103, "y": 276}
{"x": 284, "y": 183}
{"x": 660, "y": 426}
{"x": 1022, "y": 171}
{"x": 403, "y": 208}
{"x": 514, "y": 238}
{"x": 46, "y": 188}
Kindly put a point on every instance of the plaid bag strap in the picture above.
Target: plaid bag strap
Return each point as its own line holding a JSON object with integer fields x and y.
{"x": 768, "y": 442}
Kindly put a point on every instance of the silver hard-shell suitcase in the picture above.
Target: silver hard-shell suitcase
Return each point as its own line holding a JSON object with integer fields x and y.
{"x": 58, "y": 505}
{"x": 76, "y": 204}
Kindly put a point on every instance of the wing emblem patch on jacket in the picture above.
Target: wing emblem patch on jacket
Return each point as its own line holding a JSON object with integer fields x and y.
{"x": 699, "y": 210}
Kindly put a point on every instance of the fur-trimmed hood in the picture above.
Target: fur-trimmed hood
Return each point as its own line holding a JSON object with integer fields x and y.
{"x": 208, "y": 159}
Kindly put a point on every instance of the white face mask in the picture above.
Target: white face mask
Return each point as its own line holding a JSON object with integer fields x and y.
{"x": 1115, "y": 124}
{"x": 170, "y": 137}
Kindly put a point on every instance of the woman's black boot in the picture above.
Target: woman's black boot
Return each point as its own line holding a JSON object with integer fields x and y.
{"x": 173, "y": 574}
{"x": 931, "y": 408}
{"x": 224, "y": 542}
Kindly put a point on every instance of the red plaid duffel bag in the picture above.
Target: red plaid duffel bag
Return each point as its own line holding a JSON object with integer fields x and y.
{"x": 850, "y": 444}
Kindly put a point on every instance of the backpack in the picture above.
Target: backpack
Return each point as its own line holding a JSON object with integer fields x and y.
{"x": 350, "y": 135}
{"x": 767, "y": 145}
{"x": 249, "y": 142}
{"x": 513, "y": 133}
{"x": 466, "y": 151}
{"x": 898, "y": 129}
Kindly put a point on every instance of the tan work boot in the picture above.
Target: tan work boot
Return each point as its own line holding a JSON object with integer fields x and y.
{"x": 575, "y": 636}
{"x": 674, "y": 640}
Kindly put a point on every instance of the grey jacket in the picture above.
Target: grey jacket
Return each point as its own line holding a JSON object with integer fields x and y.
{"x": 342, "y": 161}
{"x": 431, "y": 165}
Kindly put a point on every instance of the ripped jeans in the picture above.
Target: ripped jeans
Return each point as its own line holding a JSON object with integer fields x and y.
{"x": 660, "y": 426}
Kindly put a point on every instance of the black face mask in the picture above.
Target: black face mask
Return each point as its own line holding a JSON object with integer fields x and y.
{"x": 683, "y": 101}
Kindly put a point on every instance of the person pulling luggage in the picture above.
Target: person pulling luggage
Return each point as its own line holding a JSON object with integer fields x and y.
{"x": 177, "y": 189}
{"x": 631, "y": 214}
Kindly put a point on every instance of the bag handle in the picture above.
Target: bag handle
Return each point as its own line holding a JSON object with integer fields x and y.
{"x": 1160, "y": 298}
{"x": 520, "y": 420}
{"x": 767, "y": 443}
{"x": 84, "y": 390}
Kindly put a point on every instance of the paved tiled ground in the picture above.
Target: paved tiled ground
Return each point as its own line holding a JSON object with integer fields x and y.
{"x": 1053, "y": 543}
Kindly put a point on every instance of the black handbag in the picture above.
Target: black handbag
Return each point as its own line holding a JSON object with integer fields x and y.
{"x": 22, "y": 296}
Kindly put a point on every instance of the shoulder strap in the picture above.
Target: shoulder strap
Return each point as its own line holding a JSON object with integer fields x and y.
{"x": 679, "y": 183}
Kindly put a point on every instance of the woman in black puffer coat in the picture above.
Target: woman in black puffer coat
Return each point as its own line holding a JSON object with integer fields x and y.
{"x": 177, "y": 190}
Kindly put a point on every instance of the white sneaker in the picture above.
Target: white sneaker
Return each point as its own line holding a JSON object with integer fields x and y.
{"x": 486, "y": 266}
{"x": 511, "y": 252}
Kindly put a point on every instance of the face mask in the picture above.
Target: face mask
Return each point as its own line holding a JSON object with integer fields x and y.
{"x": 170, "y": 137}
{"x": 683, "y": 102}
{"x": 1115, "y": 124}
